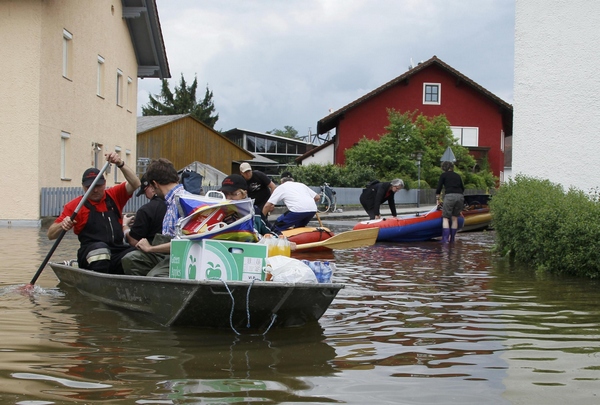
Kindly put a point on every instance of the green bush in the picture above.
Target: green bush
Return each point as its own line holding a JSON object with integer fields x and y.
{"x": 544, "y": 227}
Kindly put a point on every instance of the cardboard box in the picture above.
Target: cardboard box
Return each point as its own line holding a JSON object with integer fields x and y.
{"x": 217, "y": 259}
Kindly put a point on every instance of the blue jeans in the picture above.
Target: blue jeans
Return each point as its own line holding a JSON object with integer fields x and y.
{"x": 290, "y": 220}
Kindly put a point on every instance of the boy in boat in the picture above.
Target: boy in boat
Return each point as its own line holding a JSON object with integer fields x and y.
{"x": 234, "y": 187}
{"x": 98, "y": 224}
{"x": 152, "y": 259}
{"x": 147, "y": 221}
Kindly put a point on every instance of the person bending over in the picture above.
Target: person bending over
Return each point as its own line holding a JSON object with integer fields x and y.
{"x": 377, "y": 193}
{"x": 300, "y": 201}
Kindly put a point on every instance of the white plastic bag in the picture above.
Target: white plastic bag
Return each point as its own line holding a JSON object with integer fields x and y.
{"x": 287, "y": 270}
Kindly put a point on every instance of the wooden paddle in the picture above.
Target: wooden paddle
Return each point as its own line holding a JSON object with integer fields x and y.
{"x": 63, "y": 232}
{"x": 319, "y": 219}
{"x": 345, "y": 240}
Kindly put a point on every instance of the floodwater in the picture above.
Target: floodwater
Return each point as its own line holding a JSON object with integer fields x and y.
{"x": 420, "y": 323}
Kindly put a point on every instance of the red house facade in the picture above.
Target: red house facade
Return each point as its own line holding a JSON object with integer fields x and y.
{"x": 478, "y": 118}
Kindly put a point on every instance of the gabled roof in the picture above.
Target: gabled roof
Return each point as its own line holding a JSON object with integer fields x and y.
{"x": 142, "y": 20}
{"x": 322, "y": 146}
{"x": 148, "y": 122}
{"x": 329, "y": 122}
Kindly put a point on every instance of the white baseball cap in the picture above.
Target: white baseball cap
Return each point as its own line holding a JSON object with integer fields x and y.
{"x": 244, "y": 167}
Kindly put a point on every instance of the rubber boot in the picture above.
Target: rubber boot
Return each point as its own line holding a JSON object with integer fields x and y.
{"x": 445, "y": 235}
{"x": 453, "y": 234}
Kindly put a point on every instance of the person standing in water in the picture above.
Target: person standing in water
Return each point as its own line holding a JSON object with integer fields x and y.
{"x": 454, "y": 200}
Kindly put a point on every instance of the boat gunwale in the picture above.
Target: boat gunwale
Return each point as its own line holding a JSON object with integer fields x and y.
{"x": 199, "y": 283}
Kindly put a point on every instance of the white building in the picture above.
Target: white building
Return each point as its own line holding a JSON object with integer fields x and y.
{"x": 557, "y": 92}
{"x": 70, "y": 71}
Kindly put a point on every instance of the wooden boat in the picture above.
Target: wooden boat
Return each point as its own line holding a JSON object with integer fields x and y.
{"x": 205, "y": 303}
{"x": 408, "y": 228}
{"x": 476, "y": 213}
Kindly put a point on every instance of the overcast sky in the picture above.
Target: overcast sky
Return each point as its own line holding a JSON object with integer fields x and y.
{"x": 272, "y": 63}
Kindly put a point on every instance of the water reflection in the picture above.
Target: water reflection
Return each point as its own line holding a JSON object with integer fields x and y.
{"x": 417, "y": 323}
{"x": 90, "y": 352}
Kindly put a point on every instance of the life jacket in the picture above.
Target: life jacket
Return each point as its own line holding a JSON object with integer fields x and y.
{"x": 103, "y": 226}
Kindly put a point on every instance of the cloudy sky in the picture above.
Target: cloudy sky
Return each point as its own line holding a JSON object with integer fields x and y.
{"x": 272, "y": 63}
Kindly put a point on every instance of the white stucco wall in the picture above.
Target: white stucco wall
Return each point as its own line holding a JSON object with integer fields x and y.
{"x": 39, "y": 103}
{"x": 557, "y": 91}
{"x": 322, "y": 157}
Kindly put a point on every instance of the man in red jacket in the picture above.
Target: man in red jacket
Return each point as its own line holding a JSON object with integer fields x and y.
{"x": 98, "y": 224}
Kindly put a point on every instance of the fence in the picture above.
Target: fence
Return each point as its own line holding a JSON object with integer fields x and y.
{"x": 54, "y": 198}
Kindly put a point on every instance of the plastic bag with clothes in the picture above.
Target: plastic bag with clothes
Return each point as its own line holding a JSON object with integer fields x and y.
{"x": 285, "y": 269}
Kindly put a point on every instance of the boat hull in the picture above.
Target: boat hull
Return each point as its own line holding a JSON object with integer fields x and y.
{"x": 301, "y": 236}
{"x": 477, "y": 219}
{"x": 205, "y": 303}
{"x": 408, "y": 228}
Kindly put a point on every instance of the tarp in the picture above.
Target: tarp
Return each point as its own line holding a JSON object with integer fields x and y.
{"x": 215, "y": 218}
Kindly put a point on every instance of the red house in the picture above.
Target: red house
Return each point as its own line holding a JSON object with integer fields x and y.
{"x": 478, "y": 118}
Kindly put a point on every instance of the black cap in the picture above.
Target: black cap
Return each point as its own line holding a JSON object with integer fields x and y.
{"x": 90, "y": 175}
{"x": 233, "y": 183}
{"x": 286, "y": 174}
{"x": 143, "y": 186}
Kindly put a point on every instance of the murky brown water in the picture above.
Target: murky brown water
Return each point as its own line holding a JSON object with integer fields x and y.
{"x": 416, "y": 324}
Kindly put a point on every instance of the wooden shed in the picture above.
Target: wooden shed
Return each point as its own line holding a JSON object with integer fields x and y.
{"x": 183, "y": 139}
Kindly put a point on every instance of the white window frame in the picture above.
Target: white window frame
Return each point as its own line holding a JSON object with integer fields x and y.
{"x": 97, "y": 153}
{"x": 128, "y": 93}
{"x": 100, "y": 79}
{"x": 462, "y": 133}
{"x": 119, "y": 87}
{"x": 118, "y": 150}
{"x": 64, "y": 149}
{"x": 502, "y": 140}
{"x": 67, "y": 57}
{"x": 439, "y": 93}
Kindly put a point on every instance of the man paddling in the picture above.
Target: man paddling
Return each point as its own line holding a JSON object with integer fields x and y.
{"x": 98, "y": 224}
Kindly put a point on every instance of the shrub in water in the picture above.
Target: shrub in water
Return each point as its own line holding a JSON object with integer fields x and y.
{"x": 541, "y": 225}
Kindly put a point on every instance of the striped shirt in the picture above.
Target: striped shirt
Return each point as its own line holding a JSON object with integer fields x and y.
{"x": 172, "y": 214}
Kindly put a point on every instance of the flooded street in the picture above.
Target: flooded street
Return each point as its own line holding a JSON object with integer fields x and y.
{"x": 420, "y": 323}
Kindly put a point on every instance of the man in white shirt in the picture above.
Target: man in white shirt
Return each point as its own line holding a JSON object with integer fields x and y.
{"x": 300, "y": 201}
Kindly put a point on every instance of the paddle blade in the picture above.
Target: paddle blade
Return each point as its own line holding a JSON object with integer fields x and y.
{"x": 346, "y": 240}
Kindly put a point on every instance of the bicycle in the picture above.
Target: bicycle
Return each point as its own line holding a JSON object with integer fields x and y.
{"x": 328, "y": 201}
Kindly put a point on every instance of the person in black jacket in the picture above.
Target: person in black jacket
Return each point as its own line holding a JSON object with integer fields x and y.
{"x": 454, "y": 200}
{"x": 376, "y": 193}
{"x": 148, "y": 219}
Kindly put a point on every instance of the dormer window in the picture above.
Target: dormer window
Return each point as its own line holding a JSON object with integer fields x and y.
{"x": 432, "y": 93}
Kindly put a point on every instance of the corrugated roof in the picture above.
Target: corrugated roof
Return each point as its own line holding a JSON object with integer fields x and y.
{"x": 148, "y": 122}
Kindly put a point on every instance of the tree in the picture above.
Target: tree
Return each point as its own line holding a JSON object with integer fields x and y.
{"x": 183, "y": 101}
{"x": 288, "y": 132}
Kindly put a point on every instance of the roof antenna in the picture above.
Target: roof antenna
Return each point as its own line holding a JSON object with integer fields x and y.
{"x": 412, "y": 65}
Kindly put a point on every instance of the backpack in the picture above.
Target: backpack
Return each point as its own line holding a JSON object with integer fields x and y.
{"x": 370, "y": 187}
{"x": 192, "y": 181}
